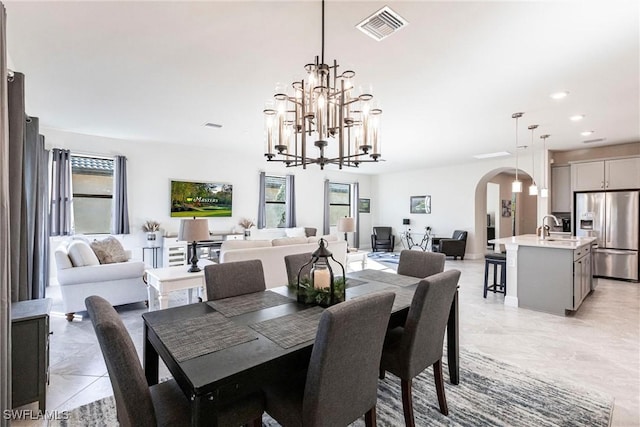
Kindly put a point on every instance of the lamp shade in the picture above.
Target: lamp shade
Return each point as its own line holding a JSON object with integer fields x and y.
{"x": 346, "y": 225}
{"x": 193, "y": 230}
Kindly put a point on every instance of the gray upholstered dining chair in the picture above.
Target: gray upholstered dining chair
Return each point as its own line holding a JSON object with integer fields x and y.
{"x": 231, "y": 279}
{"x": 420, "y": 264}
{"x": 341, "y": 381}
{"x": 410, "y": 349}
{"x": 162, "y": 404}
{"x": 294, "y": 263}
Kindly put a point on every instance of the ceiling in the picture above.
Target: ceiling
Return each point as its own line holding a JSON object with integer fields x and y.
{"x": 447, "y": 83}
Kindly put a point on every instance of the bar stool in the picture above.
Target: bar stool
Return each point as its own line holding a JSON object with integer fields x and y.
{"x": 496, "y": 260}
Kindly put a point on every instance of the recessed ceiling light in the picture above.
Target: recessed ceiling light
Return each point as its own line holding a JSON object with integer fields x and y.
{"x": 576, "y": 118}
{"x": 587, "y": 132}
{"x": 559, "y": 95}
{"x": 490, "y": 155}
{"x": 212, "y": 125}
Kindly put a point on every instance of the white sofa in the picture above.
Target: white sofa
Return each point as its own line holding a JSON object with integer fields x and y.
{"x": 119, "y": 283}
{"x": 272, "y": 253}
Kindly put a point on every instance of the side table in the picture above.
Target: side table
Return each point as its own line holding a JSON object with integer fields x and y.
{"x": 161, "y": 281}
{"x": 156, "y": 253}
{"x": 357, "y": 256}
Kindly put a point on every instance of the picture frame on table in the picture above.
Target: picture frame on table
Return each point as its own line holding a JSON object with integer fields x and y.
{"x": 420, "y": 204}
{"x": 364, "y": 205}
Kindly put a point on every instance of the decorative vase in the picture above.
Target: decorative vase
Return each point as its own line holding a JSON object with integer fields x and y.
{"x": 154, "y": 239}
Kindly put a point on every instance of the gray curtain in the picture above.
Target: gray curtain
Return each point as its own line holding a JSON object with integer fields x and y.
{"x": 120, "y": 223}
{"x": 326, "y": 221}
{"x": 290, "y": 202}
{"x": 61, "y": 197}
{"x": 355, "y": 213}
{"x": 262, "y": 208}
{"x": 5, "y": 238}
{"x": 27, "y": 200}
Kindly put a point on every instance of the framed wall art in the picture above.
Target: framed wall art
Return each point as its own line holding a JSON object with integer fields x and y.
{"x": 420, "y": 204}
{"x": 506, "y": 208}
{"x": 364, "y": 205}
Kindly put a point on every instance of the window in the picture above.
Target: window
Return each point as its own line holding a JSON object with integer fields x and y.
{"x": 274, "y": 196}
{"x": 339, "y": 202}
{"x": 92, "y": 186}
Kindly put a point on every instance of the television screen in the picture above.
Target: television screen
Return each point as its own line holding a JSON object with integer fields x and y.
{"x": 200, "y": 199}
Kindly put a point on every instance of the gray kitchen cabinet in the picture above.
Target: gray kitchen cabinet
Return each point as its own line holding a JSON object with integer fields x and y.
{"x": 581, "y": 275}
{"x": 615, "y": 174}
{"x": 30, "y": 352}
{"x": 561, "y": 189}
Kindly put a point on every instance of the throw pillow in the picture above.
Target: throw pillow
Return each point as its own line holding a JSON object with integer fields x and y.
{"x": 80, "y": 254}
{"x": 295, "y": 232}
{"x": 109, "y": 250}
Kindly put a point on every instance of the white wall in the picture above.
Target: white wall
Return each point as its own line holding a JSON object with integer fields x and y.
{"x": 152, "y": 165}
{"x": 454, "y": 204}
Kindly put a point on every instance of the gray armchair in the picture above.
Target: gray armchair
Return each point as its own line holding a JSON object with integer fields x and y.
{"x": 383, "y": 239}
{"x": 455, "y": 246}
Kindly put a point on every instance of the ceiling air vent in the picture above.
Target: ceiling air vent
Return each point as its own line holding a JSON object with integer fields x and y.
{"x": 591, "y": 141}
{"x": 382, "y": 24}
{"x": 212, "y": 125}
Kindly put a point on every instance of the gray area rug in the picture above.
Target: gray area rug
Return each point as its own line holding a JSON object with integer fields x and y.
{"x": 490, "y": 393}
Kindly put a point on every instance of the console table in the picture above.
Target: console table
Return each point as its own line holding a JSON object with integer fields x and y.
{"x": 30, "y": 352}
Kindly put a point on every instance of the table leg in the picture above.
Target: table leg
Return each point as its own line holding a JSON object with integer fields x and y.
{"x": 203, "y": 411}
{"x": 150, "y": 358}
{"x": 163, "y": 300}
{"x": 151, "y": 297}
{"x": 453, "y": 349}
{"x": 190, "y": 292}
{"x": 364, "y": 261}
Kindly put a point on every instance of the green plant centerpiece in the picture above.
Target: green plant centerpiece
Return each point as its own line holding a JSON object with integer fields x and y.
{"x": 318, "y": 285}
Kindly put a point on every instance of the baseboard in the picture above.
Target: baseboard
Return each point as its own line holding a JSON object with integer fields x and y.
{"x": 511, "y": 301}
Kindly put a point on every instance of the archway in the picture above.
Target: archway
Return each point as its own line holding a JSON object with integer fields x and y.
{"x": 526, "y": 207}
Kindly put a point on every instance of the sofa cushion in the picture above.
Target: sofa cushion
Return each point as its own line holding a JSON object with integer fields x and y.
{"x": 62, "y": 257}
{"x": 289, "y": 241}
{"x": 81, "y": 254}
{"x": 328, "y": 238}
{"x": 244, "y": 244}
{"x": 109, "y": 250}
{"x": 295, "y": 232}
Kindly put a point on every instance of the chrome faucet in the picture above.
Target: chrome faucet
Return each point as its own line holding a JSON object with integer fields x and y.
{"x": 544, "y": 229}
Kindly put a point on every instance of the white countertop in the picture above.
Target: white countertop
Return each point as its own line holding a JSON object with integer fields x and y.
{"x": 556, "y": 242}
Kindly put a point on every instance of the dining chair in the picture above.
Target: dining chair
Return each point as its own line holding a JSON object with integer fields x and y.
{"x": 420, "y": 264}
{"x": 341, "y": 381}
{"x": 162, "y": 404}
{"x": 410, "y": 349}
{"x": 294, "y": 263}
{"x": 231, "y": 279}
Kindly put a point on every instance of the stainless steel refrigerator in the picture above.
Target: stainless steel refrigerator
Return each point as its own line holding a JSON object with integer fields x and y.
{"x": 613, "y": 218}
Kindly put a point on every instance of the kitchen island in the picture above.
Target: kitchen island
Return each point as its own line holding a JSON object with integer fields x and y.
{"x": 552, "y": 275}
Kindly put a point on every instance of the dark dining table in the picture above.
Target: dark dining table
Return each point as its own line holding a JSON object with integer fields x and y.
{"x": 222, "y": 351}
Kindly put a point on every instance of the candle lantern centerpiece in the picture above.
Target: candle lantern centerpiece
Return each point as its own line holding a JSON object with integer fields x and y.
{"x": 321, "y": 286}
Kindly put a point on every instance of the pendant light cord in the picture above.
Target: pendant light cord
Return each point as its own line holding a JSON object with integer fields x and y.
{"x": 322, "y": 44}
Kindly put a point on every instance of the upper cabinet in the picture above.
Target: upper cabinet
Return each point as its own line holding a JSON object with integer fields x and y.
{"x": 618, "y": 174}
{"x": 561, "y": 189}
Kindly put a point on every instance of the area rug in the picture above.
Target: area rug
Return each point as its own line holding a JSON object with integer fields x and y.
{"x": 390, "y": 257}
{"x": 490, "y": 393}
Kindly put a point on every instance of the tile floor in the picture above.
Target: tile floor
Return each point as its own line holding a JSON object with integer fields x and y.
{"x": 598, "y": 347}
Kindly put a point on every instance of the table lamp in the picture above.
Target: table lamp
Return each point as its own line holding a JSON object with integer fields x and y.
{"x": 346, "y": 225}
{"x": 194, "y": 231}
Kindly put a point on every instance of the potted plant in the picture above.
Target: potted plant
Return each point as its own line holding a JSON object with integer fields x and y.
{"x": 246, "y": 224}
{"x": 152, "y": 228}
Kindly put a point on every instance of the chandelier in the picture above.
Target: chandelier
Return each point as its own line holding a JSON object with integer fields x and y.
{"x": 323, "y": 107}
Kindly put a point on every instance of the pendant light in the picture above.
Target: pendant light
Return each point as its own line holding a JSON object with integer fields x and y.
{"x": 516, "y": 186}
{"x": 544, "y": 191}
{"x": 533, "y": 189}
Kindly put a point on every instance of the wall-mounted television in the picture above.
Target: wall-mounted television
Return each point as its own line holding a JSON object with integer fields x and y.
{"x": 200, "y": 199}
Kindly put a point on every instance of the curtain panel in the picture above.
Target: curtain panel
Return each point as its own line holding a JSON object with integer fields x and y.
{"x": 61, "y": 213}
{"x": 262, "y": 209}
{"x": 5, "y": 238}
{"x": 355, "y": 212}
{"x": 290, "y": 202}
{"x": 325, "y": 218}
{"x": 120, "y": 223}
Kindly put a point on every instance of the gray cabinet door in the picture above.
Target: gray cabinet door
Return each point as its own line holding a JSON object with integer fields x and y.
{"x": 561, "y": 189}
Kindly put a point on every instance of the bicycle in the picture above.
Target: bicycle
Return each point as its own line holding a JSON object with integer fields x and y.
{"x": 407, "y": 240}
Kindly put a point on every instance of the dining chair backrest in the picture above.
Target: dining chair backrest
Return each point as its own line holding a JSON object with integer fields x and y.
{"x": 294, "y": 263}
{"x": 420, "y": 264}
{"x": 342, "y": 379}
{"x": 231, "y": 279}
{"x": 133, "y": 399}
{"x": 424, "y": 328}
